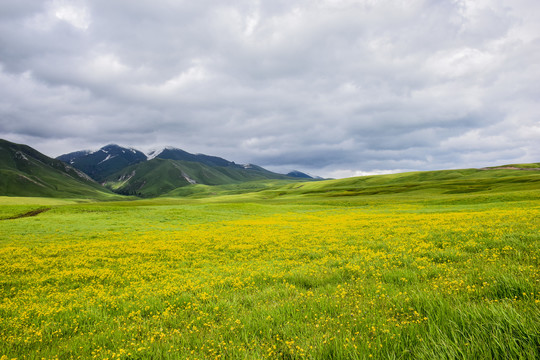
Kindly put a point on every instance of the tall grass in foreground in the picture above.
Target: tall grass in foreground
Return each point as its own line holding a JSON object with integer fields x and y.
{"x": 248, "y": 281}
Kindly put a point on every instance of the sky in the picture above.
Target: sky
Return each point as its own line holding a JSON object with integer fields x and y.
{"x": 334, "y": 88}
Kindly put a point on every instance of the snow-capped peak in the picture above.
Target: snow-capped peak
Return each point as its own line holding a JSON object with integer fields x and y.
{"x": 153, "y": 153}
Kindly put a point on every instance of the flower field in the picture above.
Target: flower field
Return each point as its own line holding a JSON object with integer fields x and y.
{"x": 255, "y": 281}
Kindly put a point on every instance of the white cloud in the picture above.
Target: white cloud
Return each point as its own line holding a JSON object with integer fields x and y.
{"x": 339, "y": 174}
{"x": 73, "y": 13}
{"x": 77, "y": 16}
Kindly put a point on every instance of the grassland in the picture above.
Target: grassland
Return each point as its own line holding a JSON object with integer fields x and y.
{"x": 442, "y": 265}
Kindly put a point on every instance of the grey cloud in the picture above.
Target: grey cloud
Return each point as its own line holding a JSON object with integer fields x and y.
{"x": 328, "y": 87}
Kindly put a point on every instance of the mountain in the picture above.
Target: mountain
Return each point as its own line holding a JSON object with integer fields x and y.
{"x": 299, "y": 174}
{"x": 172, "y": 153}
{"x": 112, "y": 158}
{"x": 26, "y": 172}
{"x": 72, "y": 157}
{"x": 103, "y": 162}
{"x": 128, "y": 171}
{"x": 159, "y": 176}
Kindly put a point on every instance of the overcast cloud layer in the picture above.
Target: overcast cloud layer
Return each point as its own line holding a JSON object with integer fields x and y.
{"x": 331, "y": 87}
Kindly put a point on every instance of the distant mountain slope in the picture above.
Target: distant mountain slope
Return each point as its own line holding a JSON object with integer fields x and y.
{"x": 26, "y": 172}
{"x": 172, "y": 153}
{"x": 103, "y": 162}
{"x": 72, "y": 157}
{"x": 118, "y": 161}
{"x": 159, "y": 176}
{"x": 299, "y": 174}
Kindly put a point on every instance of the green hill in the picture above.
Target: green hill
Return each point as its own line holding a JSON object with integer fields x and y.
{"x": 26, "y": 172}
{"x": 160, "y": 176}
{"x": 251, "y": 188}
{"x": 465, "y": 185}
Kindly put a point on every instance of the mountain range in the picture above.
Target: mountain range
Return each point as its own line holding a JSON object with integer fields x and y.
{"x": 118, "y": 171}
{"x": 121, "y": 170}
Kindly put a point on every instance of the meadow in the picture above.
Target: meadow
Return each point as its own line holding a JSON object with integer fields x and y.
{"x": 273, "y": 275}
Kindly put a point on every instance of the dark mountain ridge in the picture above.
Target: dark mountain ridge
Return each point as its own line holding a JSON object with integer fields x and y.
{"x": 103, "y": 162}
{"x": 172, "y": 153}
{"x": 299, "y": 174}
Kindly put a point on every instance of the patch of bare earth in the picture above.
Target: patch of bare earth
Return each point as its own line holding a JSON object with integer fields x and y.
{"x": 27, "y": 214}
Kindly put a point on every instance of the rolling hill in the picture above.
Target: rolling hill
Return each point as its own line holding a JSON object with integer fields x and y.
{"x": 509, "y": 181}
{"x": 26, "y": 172}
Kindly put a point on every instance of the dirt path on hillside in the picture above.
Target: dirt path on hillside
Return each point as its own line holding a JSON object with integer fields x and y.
{"x": 27, "y": 214}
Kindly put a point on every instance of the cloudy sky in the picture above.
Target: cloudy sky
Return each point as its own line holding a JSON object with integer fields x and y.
{"x": 330, "y": 87}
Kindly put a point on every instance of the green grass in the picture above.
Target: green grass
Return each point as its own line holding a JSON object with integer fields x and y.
{"x": 250, "y": 188}
{"x": 404, "y": 266}
{"x": 532, "y": 166}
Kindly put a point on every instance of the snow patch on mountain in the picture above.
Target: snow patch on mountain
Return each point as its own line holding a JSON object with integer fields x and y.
{"x": 109, "y": 156}
{"x": 21, "y": 155}
{"x": 96, "y": 151}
